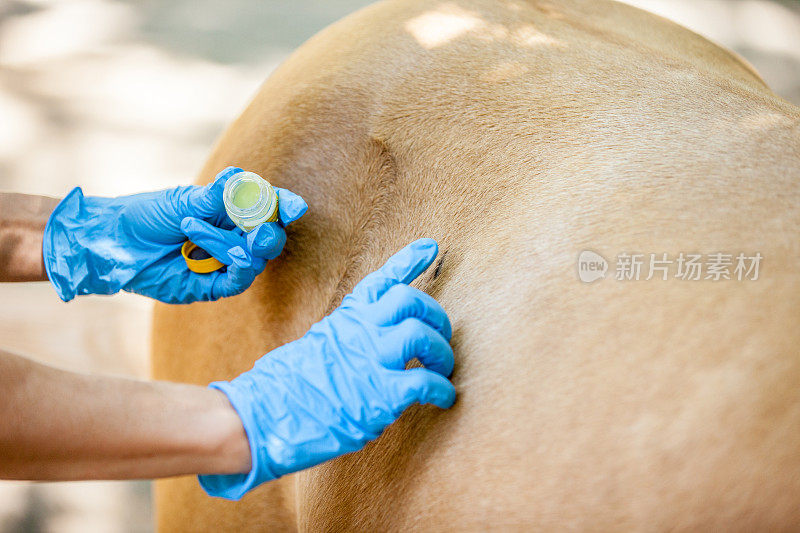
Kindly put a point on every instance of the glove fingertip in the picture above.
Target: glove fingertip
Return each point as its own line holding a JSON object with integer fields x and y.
{"x": 403, "y": 267}
{"x": 428, "y": 387}
{"x": 194, "y": 228}
{"x": 407, "y": 264}
{"x": 262, "y": 236}
{"x": 240, "y": 258}
{"x": 426, "y": 247}
{"x": 188, "y": 224}
{"x": 213, "y": 191}
{"x": 445, "y": 397}
{"x": 241, "y": 273}
{"x": 223, "y": 176}
{"x": 266, "y": 241}
{"x": 291, "y": 206}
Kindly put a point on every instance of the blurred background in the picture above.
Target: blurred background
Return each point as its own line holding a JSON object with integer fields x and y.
{"x": 122, "y": 96}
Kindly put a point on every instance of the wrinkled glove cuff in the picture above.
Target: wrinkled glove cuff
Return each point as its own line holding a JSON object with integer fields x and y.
{"x": 63, "y": 259}
{"x": 78, "y": 248}
{"x": 234, "y": 486}
{"x": 83, "y": 247}
{"x": 57, "y": 263}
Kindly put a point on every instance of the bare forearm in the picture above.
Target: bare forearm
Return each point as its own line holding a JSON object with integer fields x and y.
{"x": 58, "y": 425}
{"x": 22, "y": 221}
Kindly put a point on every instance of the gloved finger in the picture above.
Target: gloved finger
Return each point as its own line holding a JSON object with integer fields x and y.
{"x": 423, "y": 386}
{"x": 403, "y": 301}
{"x": 240, "y": 275}
{"x": 411, "y": 339}
{"x": 206, "y": 202}
{"x": 402, "y": 267}
{"x": 266, "y": 241}
{"x": 291, "y": 206}
{"x": 213, "y": 240}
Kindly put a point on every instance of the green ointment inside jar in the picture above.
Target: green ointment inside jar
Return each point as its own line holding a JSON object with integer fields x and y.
{"x": 246, "y": 195}
{"x": 250, "y": 200}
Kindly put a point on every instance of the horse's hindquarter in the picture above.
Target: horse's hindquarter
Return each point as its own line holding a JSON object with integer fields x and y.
{"x": 519, "y": 134}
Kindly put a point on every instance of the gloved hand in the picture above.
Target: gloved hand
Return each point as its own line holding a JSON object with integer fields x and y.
{"x": 101, "y": 245}
{"x": 341, "y": 384}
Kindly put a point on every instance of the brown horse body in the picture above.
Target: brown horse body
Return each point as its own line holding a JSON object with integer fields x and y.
{"x": 517, "y": 134}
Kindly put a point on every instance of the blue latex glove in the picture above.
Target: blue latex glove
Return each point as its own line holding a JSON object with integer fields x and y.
{"x": 340, "y": 385}
{"x": 103, "y": 245}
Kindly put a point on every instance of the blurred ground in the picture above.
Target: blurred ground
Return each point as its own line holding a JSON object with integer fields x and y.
{"x": 125, "y": 96}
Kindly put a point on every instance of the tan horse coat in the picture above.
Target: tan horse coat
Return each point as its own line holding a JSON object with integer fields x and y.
{"x": 519, "y": 133}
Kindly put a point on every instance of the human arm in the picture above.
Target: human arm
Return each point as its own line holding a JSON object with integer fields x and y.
{"x": 22, "y": 221}
{"x": 60, "y": 425}
{"x": 321, "y": 396}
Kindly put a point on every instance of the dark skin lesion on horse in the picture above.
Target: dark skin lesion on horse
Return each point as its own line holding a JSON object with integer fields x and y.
{"x": 438, "y": 270}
